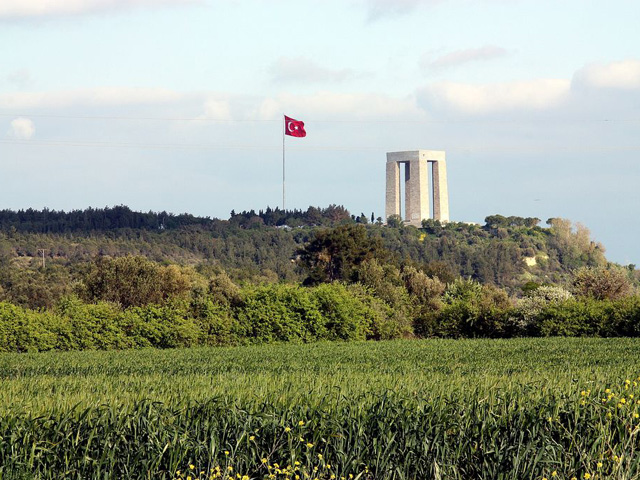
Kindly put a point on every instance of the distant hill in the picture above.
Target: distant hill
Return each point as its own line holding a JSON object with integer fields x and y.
{"x": 261, "y": 246}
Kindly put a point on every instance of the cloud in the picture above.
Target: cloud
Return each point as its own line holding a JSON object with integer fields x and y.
{"x": 459, "y": 57}
{"x": 21, "y": 129}
{"x": 600, "y": 89}
{"x": 20, "y": 78}
{"x": 331, "y": 105}
{"x": 93, "y": 97}
{"x": 623, "y": 75}
{"x": 464, "y": 98}
{"x": 385, "y": 8}
{"x": 217, "y": 109}
{"x": 304, "y": 70}
{"x": 48, "y": 8}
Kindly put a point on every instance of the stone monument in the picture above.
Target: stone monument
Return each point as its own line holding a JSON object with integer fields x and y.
{"x": 416, "y": 186}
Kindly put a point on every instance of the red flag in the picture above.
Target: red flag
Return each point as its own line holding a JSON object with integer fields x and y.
{"x": 294, "y": 128}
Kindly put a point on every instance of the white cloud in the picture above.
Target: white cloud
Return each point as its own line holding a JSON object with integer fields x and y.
{"x": 304, "y": 70}
{"x": 615, "y": 75}
{"x": 383, "y": 8}
{"x": 459, "y": 57}
{"x": 21, "y": 129}
{"x": 331, "y": 105}
{"x": 217, "y": 109}
{"x": 94, "y": 97}
{"x": 42, "y": 8}
{"x": 463, "y": 98}
{"x": 20, "y": 78}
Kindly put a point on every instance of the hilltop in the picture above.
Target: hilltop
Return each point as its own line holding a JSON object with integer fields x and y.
{"x": 262, "y": 246}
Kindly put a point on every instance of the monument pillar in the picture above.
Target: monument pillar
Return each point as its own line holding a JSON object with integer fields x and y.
{"x": 393, "y": 189}
{"x": 416, "y": 186}
{"x": 440, "y": 191}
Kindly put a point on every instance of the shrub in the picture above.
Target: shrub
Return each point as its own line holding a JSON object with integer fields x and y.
{"x": 528, "y": 309}
{"x": 585, "y": 317}
{"x": 163, "y": 326}
{"x": 24, "y": 330}
{"x": 89, "y": 326}
{"x": 215, "y": 320}
{"x": 134, "y": 281}
{"x": 279, "y": 312}
{"x": 474, "y": 310}
{"x": 346, "y": 317}
{"x": 602, "y": 283}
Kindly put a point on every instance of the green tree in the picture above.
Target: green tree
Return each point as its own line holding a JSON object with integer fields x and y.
{"x": 602, "y": 283}
{"x": 134, "y": 281}
{"x": 334, "y": 254}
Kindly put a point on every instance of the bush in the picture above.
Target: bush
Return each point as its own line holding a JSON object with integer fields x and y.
{"x": 134, "y": 281}
{"x": 474, "y": 310}
{"x": 602, "y": 283}
{"x": 346, "y": 317}
{"x": 90, "y": 326}
{"x": 24, "y": 330}
{"x": 590, "y": 317}
{"x": 279, "y": 312}
{"x": 528, "y": 309}
{"x": 572, "y": 318}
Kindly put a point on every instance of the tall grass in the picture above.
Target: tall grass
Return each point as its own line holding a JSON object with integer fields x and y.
{"x": 487, "y": 409}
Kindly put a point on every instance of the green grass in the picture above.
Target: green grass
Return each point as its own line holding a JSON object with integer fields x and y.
{"x": 402, "y": 409}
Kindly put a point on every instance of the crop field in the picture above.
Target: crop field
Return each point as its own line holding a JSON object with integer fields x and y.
{"x": 444, "y": 409}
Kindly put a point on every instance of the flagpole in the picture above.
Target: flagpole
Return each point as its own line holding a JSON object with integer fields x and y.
{"x": 283, "y": 130}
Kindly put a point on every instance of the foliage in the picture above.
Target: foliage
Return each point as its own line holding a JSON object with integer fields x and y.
{"x": 348, "y": 313}
{"x": 133, "y": 281}
{"x": 602, "y": 283}
{"x": 573, "y": 244}
{"x": 529, "y": 308}
{"x": 474, "y": 310}
{"x": 281, "y": 313}
{"x": 119, "y": 217}
{"x": 335, "y": 254}
{"x": 262, "y": 247}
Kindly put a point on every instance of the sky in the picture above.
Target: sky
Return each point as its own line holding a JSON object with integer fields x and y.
{"x": 177, "y": 105}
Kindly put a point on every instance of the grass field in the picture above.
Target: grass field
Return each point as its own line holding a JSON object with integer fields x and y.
{"x": 491, "y": 409}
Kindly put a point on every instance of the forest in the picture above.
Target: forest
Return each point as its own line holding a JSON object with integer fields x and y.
{"x": 115, "y": 278}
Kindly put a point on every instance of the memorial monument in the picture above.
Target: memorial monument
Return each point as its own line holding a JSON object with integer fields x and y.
{"x": 416, "y": 186}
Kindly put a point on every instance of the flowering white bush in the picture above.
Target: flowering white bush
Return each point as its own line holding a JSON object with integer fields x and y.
{"x": 528, "y": 308}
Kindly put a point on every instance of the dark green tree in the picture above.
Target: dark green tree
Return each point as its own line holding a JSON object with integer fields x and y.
{"x": 134, "y": 281}
{"x": 334, "y": 254}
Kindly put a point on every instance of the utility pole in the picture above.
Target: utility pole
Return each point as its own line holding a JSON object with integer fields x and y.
{"x": 42, "y": 250}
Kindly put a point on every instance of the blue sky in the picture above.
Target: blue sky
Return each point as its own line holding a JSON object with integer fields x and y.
{"x": 176, "y": 105}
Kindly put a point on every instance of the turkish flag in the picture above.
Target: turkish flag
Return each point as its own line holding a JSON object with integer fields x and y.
{"x": 294, "y": 128}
